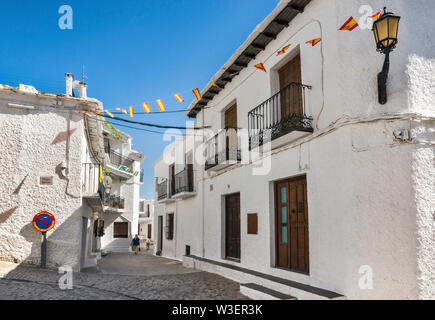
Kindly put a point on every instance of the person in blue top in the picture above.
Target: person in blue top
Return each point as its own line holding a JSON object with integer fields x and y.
{"x": 135, "y": 243}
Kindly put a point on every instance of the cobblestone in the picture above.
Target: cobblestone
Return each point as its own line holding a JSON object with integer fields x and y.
{"x": 31, "y": 283}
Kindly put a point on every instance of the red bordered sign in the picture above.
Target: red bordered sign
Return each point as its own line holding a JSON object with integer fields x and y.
{"x": 44, "y": 221}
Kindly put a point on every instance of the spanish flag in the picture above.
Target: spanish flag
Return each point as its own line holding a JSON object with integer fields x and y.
{"x": 146, "y": 107}
{"x": 314, "y": 41}
{"x": 214, "y": 84}
{"x": 283, "y": 50}
{"x": 261, "y": 67}
{"x": 131, "y": 111}
{"x": 109, "y": 113}
{"x": 161, "y": 105}
{"x": 87, "y": 113}
{"x": 349, "y": 25}
{"x": 376, "y": 16}
{"x": 97, "y": 111}
{"x": 122, "y": 110}
{"x": 178, "y": 97}
{"x": 197, "y": 93}
{"x": 101, "y": 173}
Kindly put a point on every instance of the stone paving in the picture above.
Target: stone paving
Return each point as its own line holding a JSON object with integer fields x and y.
{"x": 118, "y": 277}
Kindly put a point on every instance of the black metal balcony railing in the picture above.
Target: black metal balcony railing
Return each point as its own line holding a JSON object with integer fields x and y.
{"x": 184, "y": 181}
{"x": 119, "y": 160}
{"x": 162, "y": 190}
{"x": 115, "y": 202}
{"x": 279, "y": 115}
{"x": 224, "y": 148}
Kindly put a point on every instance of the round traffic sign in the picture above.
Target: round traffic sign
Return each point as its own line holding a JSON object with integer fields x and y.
{"x": 44, "y": 221}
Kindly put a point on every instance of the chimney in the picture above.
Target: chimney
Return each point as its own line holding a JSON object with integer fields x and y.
{"x": 83, "y": 90}
{"x": 69, "y": 84}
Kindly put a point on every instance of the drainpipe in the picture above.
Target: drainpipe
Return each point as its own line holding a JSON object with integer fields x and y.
{"x": 203, "y": 189}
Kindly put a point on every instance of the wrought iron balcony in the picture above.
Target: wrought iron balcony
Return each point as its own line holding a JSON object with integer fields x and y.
{"x": 223, "y": 150}
{"x": 162, "y": 190}
{"x": 115, "y": 202}
{"x": 281, "y": 114}
{"x": 119, "y": 160}
{"x": 184, "y": 181}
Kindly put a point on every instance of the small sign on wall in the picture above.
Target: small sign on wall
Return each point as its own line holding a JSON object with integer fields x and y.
{"x": 252, "y": 223}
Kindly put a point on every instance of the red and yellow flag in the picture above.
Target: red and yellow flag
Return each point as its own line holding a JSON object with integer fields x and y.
{"x": 131, "y": 109}
{"x": 197, "y": 93}
{"x": 109, "y": 113}
{"x": 214, "y": 84}
{"x": 146, "y": 107}
{"x": 87, "y": 113}
{"x": 178, "y": 97}
{"x": 261, "y": 67}
{"x": 349, "y": 25}
{"x": 376, "y": 16}
{"x": 283, "y": 50}
{"x": 314, "y": 41}
{"x": 161, "y": 105}
{"x": 122, "y": 110}
{"x": 97, "y": 111}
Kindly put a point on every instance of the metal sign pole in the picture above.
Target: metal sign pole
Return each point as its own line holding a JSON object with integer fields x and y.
{"x": 44, "y": 250}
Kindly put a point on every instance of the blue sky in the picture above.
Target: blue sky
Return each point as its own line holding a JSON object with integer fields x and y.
{"x": 134, "y": 51}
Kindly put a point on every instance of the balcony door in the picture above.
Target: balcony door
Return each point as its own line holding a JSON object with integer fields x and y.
{"x": 291, "y": 218}
{"x": 231, "y": 137}
{"x": 232, "y": 227}
{"x": 291, "y": 95}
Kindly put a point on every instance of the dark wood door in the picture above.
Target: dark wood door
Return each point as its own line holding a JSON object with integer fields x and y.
{"x": 292, "y": 238}
{"x": 190, "y": 177}
{"x": 291, "y": 94}
{"x": 160, "y": 235}
{"x": 232, "y": 227}
{"x": 230, "y": 123}
{"x": 149, "y": 231}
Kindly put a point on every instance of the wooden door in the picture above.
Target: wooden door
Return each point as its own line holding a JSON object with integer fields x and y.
{"x": 149, "y": 231}
{"x": 160, "y": 234}
{"x": 291, "y": 94}
{"x": 232, "y": 227}
{"x": 292, "y": 238}
{"x": 230, "y": 123}
{"x": 172, "y": 180}
{"x": 190, "y": 177}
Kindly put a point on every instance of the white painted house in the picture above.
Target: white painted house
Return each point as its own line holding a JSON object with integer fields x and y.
{"x": 146, "y": 219}
{"x": 121, "y": 220}
{"x": 51, "y": 157}
{"x": 319, "y": 191}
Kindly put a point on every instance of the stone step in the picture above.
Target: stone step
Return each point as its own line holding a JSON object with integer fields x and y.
{"x": 242, "y": 275}
{"x": 257, "y": 292}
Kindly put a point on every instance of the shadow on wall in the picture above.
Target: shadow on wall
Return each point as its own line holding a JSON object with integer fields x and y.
{"x": 59, "y": 251}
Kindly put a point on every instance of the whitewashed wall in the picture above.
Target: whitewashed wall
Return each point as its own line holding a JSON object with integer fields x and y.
{"x": 371, "y": 197}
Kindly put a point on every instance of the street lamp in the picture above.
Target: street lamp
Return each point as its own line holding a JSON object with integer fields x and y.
{"x": 385, "y": 30}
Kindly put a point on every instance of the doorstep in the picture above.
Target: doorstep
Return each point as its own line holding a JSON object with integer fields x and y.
{"x": 246, "y": 276}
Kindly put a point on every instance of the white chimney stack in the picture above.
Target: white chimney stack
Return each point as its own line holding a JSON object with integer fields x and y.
{"x": 83, "y": 90}
{"x": 69, "y": 84}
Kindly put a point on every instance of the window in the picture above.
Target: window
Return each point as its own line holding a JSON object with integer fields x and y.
{"x": 148, "y": 210}
{"x": 170, "y": 226}
{"x": 120, "y": 230}
{"x": 142, "y": 206}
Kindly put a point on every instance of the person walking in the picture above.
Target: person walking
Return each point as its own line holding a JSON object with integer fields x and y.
{"x": 135, "y": 243}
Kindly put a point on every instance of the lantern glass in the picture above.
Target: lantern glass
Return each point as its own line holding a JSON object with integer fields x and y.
{"x": 385, "y": 31}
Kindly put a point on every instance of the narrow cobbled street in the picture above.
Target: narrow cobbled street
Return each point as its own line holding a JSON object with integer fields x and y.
{"x": 119, "y": 276}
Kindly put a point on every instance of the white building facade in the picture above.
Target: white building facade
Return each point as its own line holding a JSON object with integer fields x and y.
{"x": 146, "y": 219}
{"x": 121, "y": 219}
{"x": 321, "y": 192}
{"x": 51, "y": 156}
